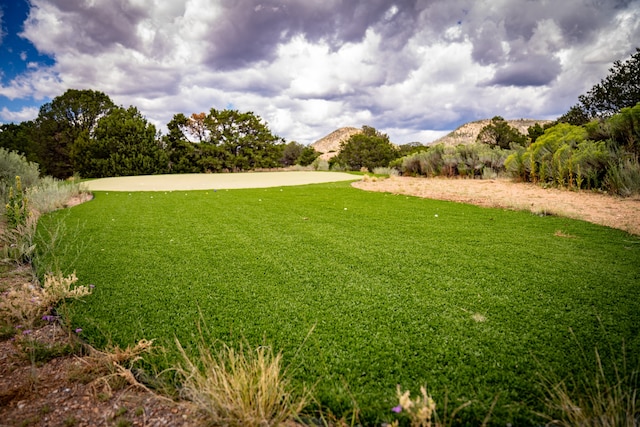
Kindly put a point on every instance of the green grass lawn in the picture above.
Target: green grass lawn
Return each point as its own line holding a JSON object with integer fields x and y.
{"x": 471, "y": 301}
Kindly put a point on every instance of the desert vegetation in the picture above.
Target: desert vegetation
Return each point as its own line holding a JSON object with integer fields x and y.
{"x": 603, "y": 155}
{"x": 593, "y": 146}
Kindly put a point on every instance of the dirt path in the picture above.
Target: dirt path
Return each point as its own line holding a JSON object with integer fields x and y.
{"x": 589, "y": 206}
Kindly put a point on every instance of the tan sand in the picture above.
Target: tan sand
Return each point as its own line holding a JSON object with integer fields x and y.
{"x": 215, "y": 181}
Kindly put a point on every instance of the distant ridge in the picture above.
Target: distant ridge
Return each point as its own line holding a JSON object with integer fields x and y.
{"x": 329, "y": 145}
{"x": 468, "y": 132}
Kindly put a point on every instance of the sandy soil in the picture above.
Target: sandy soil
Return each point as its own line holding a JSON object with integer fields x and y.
{"x": 215, "y": 181}
{"x": 598, "y": 208}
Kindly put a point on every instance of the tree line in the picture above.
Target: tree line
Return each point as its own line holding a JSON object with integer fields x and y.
{"x": 83, "y": 132}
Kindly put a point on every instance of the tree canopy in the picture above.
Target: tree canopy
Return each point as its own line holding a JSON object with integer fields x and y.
{"x": 499, "y": 133}
{"x": 624, "y": 128}
{"x": 123, "y": 143}
{"x": 221, "y": 140}
{"x": 61, "y": 121}
{"x": 19, "y": 138}
{"x": 369, "y": 149}
{"x": 619, "y": 89}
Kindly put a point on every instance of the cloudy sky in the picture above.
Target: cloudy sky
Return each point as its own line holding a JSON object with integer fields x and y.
{"x": 414, "y": 69}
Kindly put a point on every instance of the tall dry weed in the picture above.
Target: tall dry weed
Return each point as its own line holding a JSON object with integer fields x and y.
{"x": 17, "y": 244}
{"x": 28, "y": 303}
{"x": 244, "y": 387}
{"x": 422, "y": 410}
{"x": 595, "y": 398}
{"x": 111, "y": 369}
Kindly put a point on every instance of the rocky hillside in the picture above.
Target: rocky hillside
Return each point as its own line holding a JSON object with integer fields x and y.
{"x": 467, "y": 133}
{"x": 329, "y": 145}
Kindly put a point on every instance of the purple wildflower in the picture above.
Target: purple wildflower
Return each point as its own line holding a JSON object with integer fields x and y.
{"x": 78, "y": 330}
{"x": 91, "y": 286}
{"x": 49, "y": 318}
{"x": 397, "y": 409}
{"x": 26, "y": 332}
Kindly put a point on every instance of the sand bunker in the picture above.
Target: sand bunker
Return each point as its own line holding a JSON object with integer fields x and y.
{"x": 215, "y": 181}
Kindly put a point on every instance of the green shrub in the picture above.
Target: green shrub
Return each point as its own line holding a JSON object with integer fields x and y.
{"x": 13, "y": 164}
{"x": 464, "y": 160}
{"x": 623, "y": 177}
{"x": 50, "y": 194}
{"x": 29, "y": 191}
{"x": 470, "y": 160}
{"x": 410, "y": 165}
{"x": 546, "y": 168}
{"x": 450, "y": 161}
{"x": 386, "y": 171}
{"x": 518, "y": 164}
{"x": 562, "y": 165}
{"x": 564, "y": 157}
{"x": 427, "y": 163}
{"x": 590, "y": 161}
{"x": 320, "y": 164}
{"x": 625, "y": 129}
{"x": 17, "y": 208}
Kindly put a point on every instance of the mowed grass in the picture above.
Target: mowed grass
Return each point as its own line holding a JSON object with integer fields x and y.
{"x": 472, "y": 302}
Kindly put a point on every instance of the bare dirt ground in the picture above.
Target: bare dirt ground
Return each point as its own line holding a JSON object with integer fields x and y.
{"x": 51, "y": 394}
{"x": 60, "y": 392}
{"x": 598, "y": 208}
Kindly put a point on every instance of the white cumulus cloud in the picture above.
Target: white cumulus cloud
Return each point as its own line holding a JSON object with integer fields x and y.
{"x": 411, "y": 69}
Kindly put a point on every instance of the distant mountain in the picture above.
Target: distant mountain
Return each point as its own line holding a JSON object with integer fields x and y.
{"x": 329, "y": 145}
{"x": 468, "y": 132}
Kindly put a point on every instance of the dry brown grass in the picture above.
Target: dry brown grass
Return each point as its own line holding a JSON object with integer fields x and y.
{"x": 421, "y": 410}
{"x": 245, "y": 387}
{"x": 593, "y": 400}
{"x": 110, "y": 370}
{"x": 560, "y": 233}
{"x": 26, "y": 304}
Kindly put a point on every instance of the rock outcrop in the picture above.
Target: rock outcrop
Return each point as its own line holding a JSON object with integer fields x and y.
{"x": 329, "y": 145}
{"x": 468, "y": 132}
